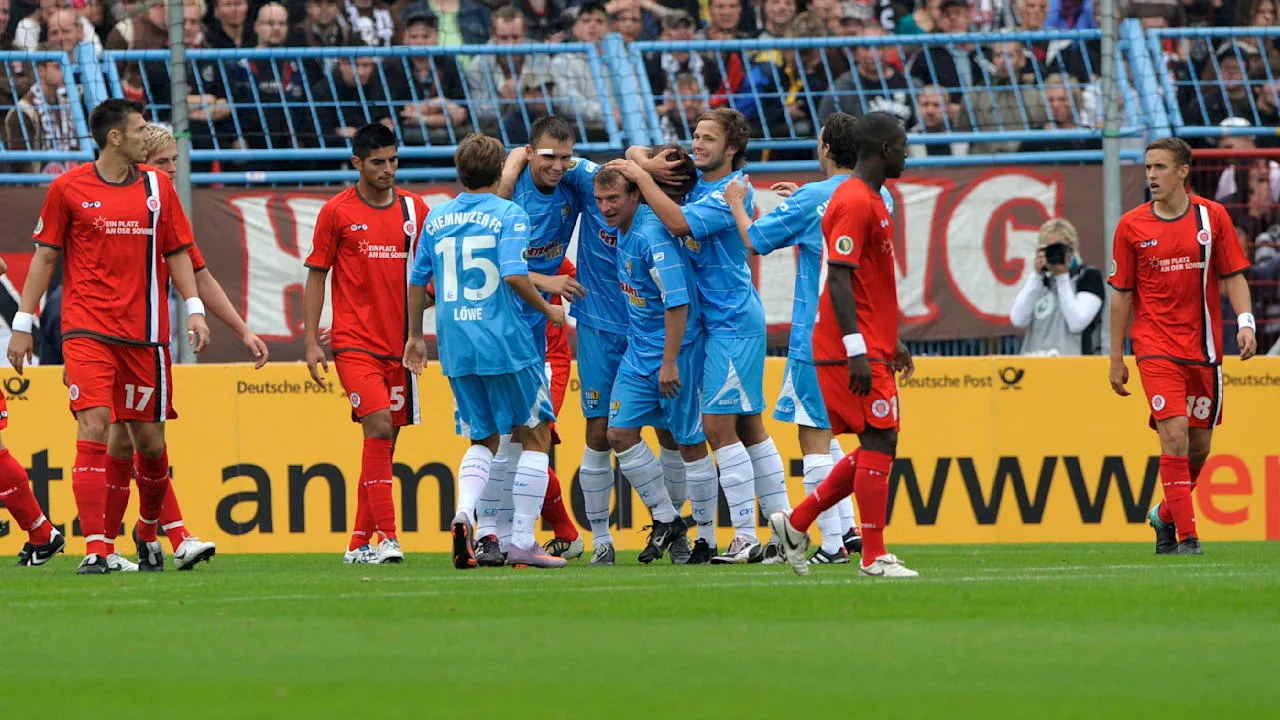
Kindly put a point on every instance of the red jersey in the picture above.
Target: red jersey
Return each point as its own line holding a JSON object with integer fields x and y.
{"x": 114, "y": 239}
{"x": 370, "y": 250}
{"x": 857, "y": 232}
{"x": 1173, "y": 267}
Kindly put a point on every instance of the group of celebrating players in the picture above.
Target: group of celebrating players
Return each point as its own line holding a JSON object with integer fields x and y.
{"x": 670, "y": 335}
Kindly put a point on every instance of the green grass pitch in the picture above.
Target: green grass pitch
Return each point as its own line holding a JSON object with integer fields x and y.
{"x": 1043, "y": 631}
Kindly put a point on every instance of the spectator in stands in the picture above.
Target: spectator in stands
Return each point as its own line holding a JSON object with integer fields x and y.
{"x": 724, "y": 18}
{"x": 853, "y": 16}
{"x": 461, "y": 22}
{"x": 662, "y": 68}
{"x": 1007, "y": 104}
{"x": 428, "y": 89}
{"x": 1071, "y": 15}
{"x": 1031, "y": 16}
{"x": 778, "y": 16}
{"x": 934, "y": 118}
{"x": 828, "y": 11}
{"x": 577, "y": 95}
{"x": 1267, "y": 97}
{"x": 871, "y": 85}
{"x": 1263, "y": 276}
{"x": 1248, "y": 188}
{"x": 954, "y": 68}
{"x": 493, "y": 81}
{"x": 230, "y": 25}
{"x": 64, "y": 32}
{"x": 95, "y": 12}
{"x": 545, "y": 19}
{"x": 270, "y": 95}
{"x": 1212, "y": 106}
{"x": 1061, "y": 302}
{"x": 683, "y": 111}
{"x": 925, "y": 19}
{"x": 375, "y": 26}
{"x": 1066, "y": 106}
{"x": 324, "y": 26}
{"x": 146, "y": 31}
{"x": 626, "y": 20}
{"x": 537, "y": 92}
{"x": 34, "y": 28}
{"x": 42, "y": 120}
{"x": 355, "y": 99}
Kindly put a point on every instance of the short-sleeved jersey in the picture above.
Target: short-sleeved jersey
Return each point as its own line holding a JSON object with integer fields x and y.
{"x": 552, "y": 217}
{"x": 858, "y": 233}
{"x": 655, "y": 277}
{"x": 797, "y": 221}
{"x": 1173, "y": 268}
{"x": 731, "y": 305}
{"x": 114, "y": 239}
{"x": 468, "y": 245}
{"x": 370, "y": 250}
{"x": 603, "y": 307}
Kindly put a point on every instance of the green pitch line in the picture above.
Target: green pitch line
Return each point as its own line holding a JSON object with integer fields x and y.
{"x": 1043, "y": 631}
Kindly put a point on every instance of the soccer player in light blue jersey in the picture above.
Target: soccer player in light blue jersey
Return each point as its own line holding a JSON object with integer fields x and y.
{"x": 473, "y": 247}
{"x": 733, "y": 317}
{"x": 797, "y": 222}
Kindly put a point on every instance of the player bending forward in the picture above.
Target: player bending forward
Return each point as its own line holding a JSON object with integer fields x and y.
{"x": 1167, "y": 258}
{"x": 474, "y": 247}
{"x": 860, "y": 277}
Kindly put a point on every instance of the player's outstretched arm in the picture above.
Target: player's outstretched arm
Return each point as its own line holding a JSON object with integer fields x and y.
{"x": 1121, "y": 309}
{"x": 184, "y": 278}
{"x": 735, "y": 194}
{"x": 566, "y": 286}
{"x": 516, "y": 162}
{"x": 415, "y": 348}
{"x": 523, "y": 287}
{"x": 313, "y": 306}
{"x": 219, "y": 305}
{"x": 21, "y": 343}
{"x": 840, "y": 284}
{"x": 1246, "y": 334}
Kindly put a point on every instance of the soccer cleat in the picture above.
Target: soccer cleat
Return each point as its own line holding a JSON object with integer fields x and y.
{"x": 192, "y": 552}
{"x": 363, "y": 555}
{"x": 150, "y": 555}
{"x": 533, "y": 556}
{"x": 822, "y": 557}
{"x": 34, "y": 555}
{"x": 888, "y": 565}
{"x": 660, "y": 538}
{"x": 567, "y": 549}
{"x": 602, "y": 555}
{"x": 464, "y": 552}
{"x": 93, "y": 565}
{"x": 1190, "y": 546}
{"x": 1166, "y": 535}
{"x": 772, "y": 553}
{"x": 742, "y": 550}
{"x": 853, "y": 542}
{"x": 680, "y": 551}
{"x": 389, "y": 553}
{"x": 116, "y": 563}
{"x": 489, "y": 552}
{"x": 702, "y": 553}
{"x": 790, "y": 541}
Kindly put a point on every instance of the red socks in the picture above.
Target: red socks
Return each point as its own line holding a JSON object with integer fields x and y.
{"x": 836, "y": 487}
{"x": 1175, "y": 476}
{"x": 153, "y": 486}
{"x": 171, "y": 518}
{"x": 89, "y": 485}
{"x": 554, "y": 512}
{"x": 871, "y": 491}
{"x": 119, "y": 488}
{"x": 15, "y": 493}
{"x": 363, "y": 530}
{"x": 375, "y": 478}
{"x": 1166, "y": 516}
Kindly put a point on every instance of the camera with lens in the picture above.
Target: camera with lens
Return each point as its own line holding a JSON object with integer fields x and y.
{"x": 1056, "y": 254}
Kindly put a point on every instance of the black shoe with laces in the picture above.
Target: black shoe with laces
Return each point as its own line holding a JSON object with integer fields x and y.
{"x": 703, "y": 552}
{"x": 93, "y": 565}
{"x": 1166, "y": 539}
{"x": 660, "y": 538}
{"x": 489, "y": 552}
{"x": 1190, "y": 546}
{"x": 150, "y": 554}
{"x": 853, "y": 542}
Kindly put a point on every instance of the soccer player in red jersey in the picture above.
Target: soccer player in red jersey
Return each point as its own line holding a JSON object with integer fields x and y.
{"x": 1167, "y": 260}
{"x": 366, "y": 234}
{"x": 118, "y": 225}
{"x": 856, "y": 348}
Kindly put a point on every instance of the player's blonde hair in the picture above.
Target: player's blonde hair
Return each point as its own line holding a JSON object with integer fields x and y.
{"x": 1062, "y": 226}
{"x": 156, "y": 138}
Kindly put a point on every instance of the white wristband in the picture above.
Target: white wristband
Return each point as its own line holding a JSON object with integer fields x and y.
{"x": 1243, "y": 320}
{"x": 195, "y": 306}
{"x": 855, "y": 345}
{"x": 23, "y": 322}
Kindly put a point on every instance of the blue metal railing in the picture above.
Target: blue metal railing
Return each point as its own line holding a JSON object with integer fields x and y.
{"x": 70, "y": 142}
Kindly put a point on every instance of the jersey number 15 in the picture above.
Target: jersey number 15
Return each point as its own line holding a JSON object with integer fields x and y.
{"x": 448, "y": 248}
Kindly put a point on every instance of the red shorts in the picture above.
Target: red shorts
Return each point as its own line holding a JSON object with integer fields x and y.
{"x": 135, "y": 381}
{"x": 849, "y": 413}
{"x": 374, "y": 384}
{"x": 1175, "y": 389}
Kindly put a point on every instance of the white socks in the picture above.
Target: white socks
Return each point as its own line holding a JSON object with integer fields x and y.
{"x": 473, "y": 473}
{"x": 495, "y": 507}
{"x": 737, "y": 480}
{"x": 596, "y": 476}
{"x": 644, "y": 473}
{"x": 845, "y": 506}
{"x": 816, "y": 469}
{"x": 528, "y": 489}
{"x": 673, "y": 476}
{"x": 704, "y": 496}
{"x": 770, "y": 479}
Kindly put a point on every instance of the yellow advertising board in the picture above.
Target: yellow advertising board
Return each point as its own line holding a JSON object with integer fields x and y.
{"x": 993, "y": 449}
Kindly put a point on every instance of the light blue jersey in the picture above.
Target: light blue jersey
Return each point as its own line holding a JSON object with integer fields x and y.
{"x": 603, "y": 307}
{"x": 552, "y": 216}
{"x": 655, "y": 277}
{"x": 731, "y": 306}
{"x": 798, "y": 222}
{"x": 472, "y": 243}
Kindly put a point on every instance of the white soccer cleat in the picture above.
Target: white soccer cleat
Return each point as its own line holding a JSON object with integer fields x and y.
{"x": 742, "y": 550}
{"x": 363, "y": 555}
{"x": 117, "y": 563}
{"x": 794, "y": 543}
{"x": 191, "y": 552}
{"x": 389, "y": 552}
{"x": 888, "y": 565}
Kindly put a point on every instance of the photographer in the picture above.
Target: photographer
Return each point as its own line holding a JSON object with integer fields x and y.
{"x": 1061, "y": 301}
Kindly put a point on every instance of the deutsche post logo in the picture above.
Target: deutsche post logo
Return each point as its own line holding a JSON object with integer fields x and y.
{"x": 15, "y": 388}
{"x": 1011, "y": 377}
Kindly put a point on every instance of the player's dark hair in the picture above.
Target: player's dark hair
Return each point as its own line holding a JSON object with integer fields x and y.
{"x": 373, "y": 136}
{"x": 479, "y": 160}
{"x": 685, "y": 166}
{"x": 1179, "y": 147}
{"x": 557, "y": 128}
{"x": 736, "y": 129}
{"x": 873, "y": 131}
{"x": 111, "y": 114}
{"x": 608, "y": 177}
{"x": 838, "y": 136}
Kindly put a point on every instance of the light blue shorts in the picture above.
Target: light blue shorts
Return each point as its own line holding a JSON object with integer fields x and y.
{"x": 489, "y": 404}
{"x": 599, "y": 354}
{"x": 733, "y": 380}
{"x": 637, "y": 401}
{"x": 800, "y": 400}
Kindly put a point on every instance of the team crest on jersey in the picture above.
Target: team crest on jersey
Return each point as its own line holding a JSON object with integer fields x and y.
{"x": 410, "y": 228}
{"x": 74, "y": 392}
{"x": 880, "y": 408}
{"x": 592, "y": 399}
{"x": 564, "y": 212}
{"x": 39, "y": 225}
{"x": 692, "y": 244}
{"x": 1203, "y": 237}
{"x": 844, "y": 245}
{"x": 614, "y": 407}
{"x": 153, "y": 204}
{"x": 1157, "y": 403}
{"x": 355, "y": 400}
